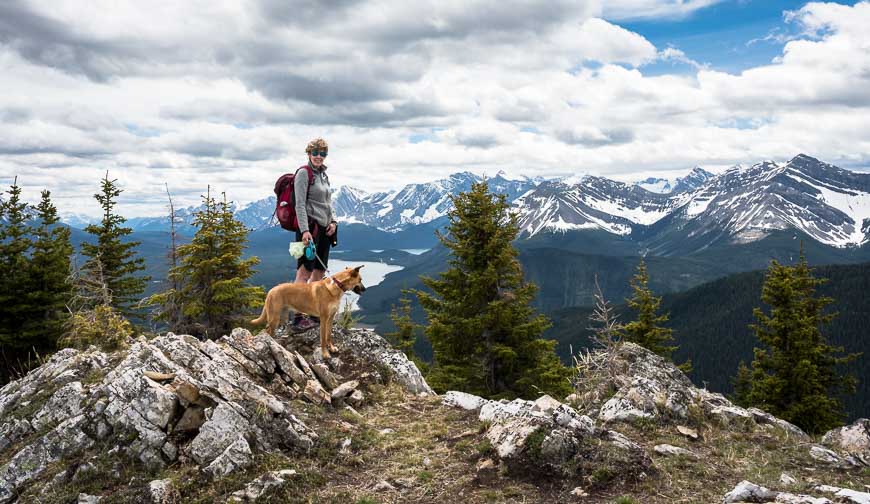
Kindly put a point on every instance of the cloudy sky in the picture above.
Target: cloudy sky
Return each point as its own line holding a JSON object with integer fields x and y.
{"x": 228, "y": 93}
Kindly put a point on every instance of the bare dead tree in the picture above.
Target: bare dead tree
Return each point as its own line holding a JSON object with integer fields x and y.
{"x": 594, "y": 365}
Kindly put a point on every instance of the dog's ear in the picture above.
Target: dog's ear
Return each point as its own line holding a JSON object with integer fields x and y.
{"x": 358, "y": 268}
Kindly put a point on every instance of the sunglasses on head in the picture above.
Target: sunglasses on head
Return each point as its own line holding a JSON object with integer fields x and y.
{"x": 318, "y": 153}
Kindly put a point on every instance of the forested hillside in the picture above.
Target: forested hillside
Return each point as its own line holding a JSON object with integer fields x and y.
{"x": 710, "y": 326}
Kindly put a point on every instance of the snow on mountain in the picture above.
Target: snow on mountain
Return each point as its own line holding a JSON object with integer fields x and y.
{"x": 594, "y": 203}
{"x": 257, "y": 214}
{"x": 827, "y": 203}
{"x": 696, "y": 178}
{"x": 656, "y": 185}
{"x": 416, "y": 204}
{"x": 77, "y": 220}
{"x": 740, "y": 205}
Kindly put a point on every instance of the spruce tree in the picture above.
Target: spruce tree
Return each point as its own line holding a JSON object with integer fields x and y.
{"x": 117, "y": 255}
{"x": 49, "y": 272}
{"x": 795, "y": 373}
{"x": 406, "y": 329}
{"x": 647, "y": 329}
{"x": 212, "y": 275}
{"x": 485, "y": 335}
{"x": 15, "y": 307}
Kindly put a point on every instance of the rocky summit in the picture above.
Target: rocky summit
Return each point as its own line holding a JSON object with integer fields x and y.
{"x": 251, "y": 418}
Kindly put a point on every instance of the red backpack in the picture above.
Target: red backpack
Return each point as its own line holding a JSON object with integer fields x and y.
{"x": 285, "y": 207}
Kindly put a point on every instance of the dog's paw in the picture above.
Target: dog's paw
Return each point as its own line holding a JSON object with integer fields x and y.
{"x": 325, "y": 353}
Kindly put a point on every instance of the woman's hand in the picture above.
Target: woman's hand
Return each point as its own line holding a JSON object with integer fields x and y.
{"x": 330, "y": 229}
{"x": 306, "y": 237}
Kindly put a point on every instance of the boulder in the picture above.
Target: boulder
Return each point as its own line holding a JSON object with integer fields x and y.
{"x": 463, "y": 400}
{"x": 746, "y": 491}
{"x": 853, "y": 439}
{"x": 845, "y": 495}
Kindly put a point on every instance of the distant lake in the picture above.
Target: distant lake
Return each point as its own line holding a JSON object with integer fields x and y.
{"x": 410, "y": 251}
{"x": 372, "y": 274}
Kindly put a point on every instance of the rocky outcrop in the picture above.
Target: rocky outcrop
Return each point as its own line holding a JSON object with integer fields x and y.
{"x": 549, "y": 437}
{"x": 175, "y": 398}
{"x": 650, "y": 387}
{"x": 852, "y": 439}
{"x": 746, "y": 491}
{"x": 375, "y": 353}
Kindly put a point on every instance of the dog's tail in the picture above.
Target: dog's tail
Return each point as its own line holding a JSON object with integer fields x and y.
{"x": 262, "y": 318}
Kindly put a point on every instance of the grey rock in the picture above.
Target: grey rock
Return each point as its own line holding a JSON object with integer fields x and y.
{"x": 787, "y": 479}
{"x": 256, "y": 488}
{"x": 63, "y": 404}
{"x": 546, "y": 404}
{"x": 326, "y": 377}
{"x": 161, "y": 491}
{"x": 463, "y": 400}
{"x": 829, "y": 457}
{"x": 30, "y": 462}
{"x": 220, "y": 431}
{"x": 356, "y": 399}
{"x": 345, "y": 389}
{"x": 853, "y": 439}
{"x": 236, "y": 456}
{"x": 287, "y": 363}
{"x": 845, "y": 494}
{"x": 790, "y": 498}
{"x": 746, "y": 491}
{"x": 764, "y": 418}
{"x": 619, "y": 440}
{"x": 671, "y": 451}
{"x": 315, "y": 393}
{"x": 368, "y": 345}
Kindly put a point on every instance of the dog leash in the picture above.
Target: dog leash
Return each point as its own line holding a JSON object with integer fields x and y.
{"x": 318, "y": 257}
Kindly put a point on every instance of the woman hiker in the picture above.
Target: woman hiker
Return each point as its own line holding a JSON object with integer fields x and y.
{"x": 314, "y": 212}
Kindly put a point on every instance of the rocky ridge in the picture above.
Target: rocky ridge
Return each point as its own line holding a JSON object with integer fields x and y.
{"x": 176, "y": 399}
{"x": 586, "y": 434}
{"x": 241, "y": 419}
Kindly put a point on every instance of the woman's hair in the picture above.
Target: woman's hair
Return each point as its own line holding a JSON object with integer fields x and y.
{"x": 317, "y": 143}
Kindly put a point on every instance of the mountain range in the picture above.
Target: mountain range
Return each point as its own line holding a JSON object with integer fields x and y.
{"x": 661, "y": 217}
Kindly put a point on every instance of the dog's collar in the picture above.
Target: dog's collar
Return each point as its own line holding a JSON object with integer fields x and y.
{"x": 340, "y": 285}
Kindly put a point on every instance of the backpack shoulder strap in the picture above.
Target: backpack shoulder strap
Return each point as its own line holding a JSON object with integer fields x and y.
{"x": 310, "y": 174}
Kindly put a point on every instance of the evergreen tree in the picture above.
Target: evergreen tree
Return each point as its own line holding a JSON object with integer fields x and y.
{"x": 118, "y": 256}
{"x": 50, "y": 288}
{"x": 484, "y": 333}
{"x": 212, "y": 275}
{"x": 647, "y": 329}
{"x": 15, "y": 244}
{"x": 406, "y": 329}
{"x": 794, "y": 375}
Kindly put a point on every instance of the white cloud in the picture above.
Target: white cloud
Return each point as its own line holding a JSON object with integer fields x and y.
{"x": 228, "y": 94}
{"x": 622, "y": 10}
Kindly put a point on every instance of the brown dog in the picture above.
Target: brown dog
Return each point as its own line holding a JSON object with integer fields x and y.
{"x": 321, "y": 298}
